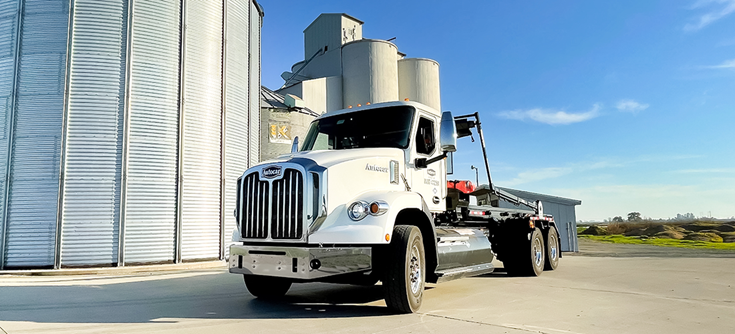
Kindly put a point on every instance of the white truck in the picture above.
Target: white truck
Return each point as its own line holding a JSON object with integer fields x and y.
{"x": 366, "y": 199}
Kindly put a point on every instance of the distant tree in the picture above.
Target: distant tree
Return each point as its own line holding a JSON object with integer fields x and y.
{"x": 617, "y": 219}
{"x": 634, "y": 216}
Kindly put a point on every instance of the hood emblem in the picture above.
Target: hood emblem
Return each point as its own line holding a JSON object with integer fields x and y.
{"x": 272, "y": 172}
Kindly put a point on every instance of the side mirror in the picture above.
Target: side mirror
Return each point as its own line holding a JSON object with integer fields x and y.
{"x": 295, "y": 145}
{"x": 448, "y": 133}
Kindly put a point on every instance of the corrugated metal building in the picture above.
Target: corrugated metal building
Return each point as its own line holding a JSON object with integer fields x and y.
{"x": 562, "y": 209}
{"x": 124, "y": 124}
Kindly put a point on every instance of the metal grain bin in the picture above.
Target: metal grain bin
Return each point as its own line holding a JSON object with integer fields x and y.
{"x": 124, "y": 121}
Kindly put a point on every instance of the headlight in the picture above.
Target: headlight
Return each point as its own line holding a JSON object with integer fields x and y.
{"x": 358, "y": 210}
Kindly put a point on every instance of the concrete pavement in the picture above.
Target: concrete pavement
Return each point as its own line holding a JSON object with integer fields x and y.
{"x": 595, "y": 294}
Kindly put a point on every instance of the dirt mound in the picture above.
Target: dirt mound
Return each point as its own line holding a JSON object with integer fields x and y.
{"x": 594, "y": 230}
{"x": 653, "y": 230}
{"x": 699, "y": 236}
{"x": 728, "y": 236}
{"x": 699, "y": 226}
{"x": 725, "y": 228}
{"x": 670, "y": 234}
{"x": 636, "y": 232}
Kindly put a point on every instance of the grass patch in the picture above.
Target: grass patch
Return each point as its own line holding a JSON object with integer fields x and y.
{"x": 619, "y": 239}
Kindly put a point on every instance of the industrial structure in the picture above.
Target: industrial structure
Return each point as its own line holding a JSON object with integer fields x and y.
{"x": 341, "y": 69}
{"x": 125, "y": 124}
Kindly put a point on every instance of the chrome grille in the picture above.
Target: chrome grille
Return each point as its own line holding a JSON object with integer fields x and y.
{"x": 254, "y": 207}
{"x": 272, "y": 209}
{"x": 287, "y": 213}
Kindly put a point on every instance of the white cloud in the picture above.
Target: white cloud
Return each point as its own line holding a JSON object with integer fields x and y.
{"x": 553, "y": 117}
{"x": 718, "y": 10}
{"x": 706, "y": 171}
{"x": 631, "y": 106}
{"x": 729, "y": 64}
{"x": 539, "y": 174}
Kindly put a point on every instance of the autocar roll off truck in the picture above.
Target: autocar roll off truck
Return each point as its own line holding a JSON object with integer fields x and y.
{"x": 366, "y": 199}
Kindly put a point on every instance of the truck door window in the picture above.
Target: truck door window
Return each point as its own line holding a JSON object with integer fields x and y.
{"x": 425, "y": 137}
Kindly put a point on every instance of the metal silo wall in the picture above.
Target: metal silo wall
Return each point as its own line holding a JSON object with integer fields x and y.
{"x": 369, "y": 72}
{"x": 36, "y": 137}
{"x": 236, "y": 106}
{"x": 9, "y": 35}
{"x": 254, "y": 55}
{"x": 150, "y": 205}
{"x": 200, "y": 193}
{"x": 92, "y": 164}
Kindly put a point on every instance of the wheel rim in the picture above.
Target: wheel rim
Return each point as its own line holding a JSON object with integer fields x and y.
{"x": 552, "y": 241}
{"x": 414, "y": 270}
{"x": 537, "y": 254}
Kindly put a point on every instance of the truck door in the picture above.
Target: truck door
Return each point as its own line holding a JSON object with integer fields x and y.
{"x": 429, "y": 182}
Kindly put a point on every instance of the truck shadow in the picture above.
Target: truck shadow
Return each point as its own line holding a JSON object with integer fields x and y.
{"x": 216, "y": 295}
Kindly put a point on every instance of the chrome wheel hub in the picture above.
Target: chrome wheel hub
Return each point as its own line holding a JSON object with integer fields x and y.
{"x": 537, "y": 252}
{"x": 414, "y": 270}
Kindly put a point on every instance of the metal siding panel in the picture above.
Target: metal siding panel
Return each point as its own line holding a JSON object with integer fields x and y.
{"x": 91, "y": 206}
{"x": 8, "y": 40}
{"x": 254, "y": 131}
{"x": 237, "y": 106}
{"x": 34, "y": 174}
{"x": 202, "y": 131}
{"x": 153, "y": 145}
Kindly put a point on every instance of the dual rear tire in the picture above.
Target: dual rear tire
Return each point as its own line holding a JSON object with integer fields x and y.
{"x": 534, "y": 253}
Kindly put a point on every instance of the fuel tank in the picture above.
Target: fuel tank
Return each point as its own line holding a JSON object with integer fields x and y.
{"x": 463, "y": 252}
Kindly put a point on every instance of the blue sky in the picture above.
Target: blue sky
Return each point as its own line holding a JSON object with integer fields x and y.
{"x": 625, "y": 105}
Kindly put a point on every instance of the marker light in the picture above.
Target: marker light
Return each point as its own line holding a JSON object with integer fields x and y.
{"x": 378, "y": 208}
{"x": 406, "y": 99}
{"x": 349, "y": 107}
{"x": 359, "y": 105}
{"x": 387, "y": 237}
{"x": 367, "y": 103}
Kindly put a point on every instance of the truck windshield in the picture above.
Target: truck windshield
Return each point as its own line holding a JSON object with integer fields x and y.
{"x": 382, "y": 127}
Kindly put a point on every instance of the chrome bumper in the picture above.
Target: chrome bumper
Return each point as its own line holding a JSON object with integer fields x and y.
{"x": 298, "y": 262}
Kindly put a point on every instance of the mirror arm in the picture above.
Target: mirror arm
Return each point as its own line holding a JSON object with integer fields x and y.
{"x": 423, "y": 162}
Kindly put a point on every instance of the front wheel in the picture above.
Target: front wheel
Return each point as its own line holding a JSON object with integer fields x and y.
{"x": 406, "y": 270}
{"x": 266, "y": 287}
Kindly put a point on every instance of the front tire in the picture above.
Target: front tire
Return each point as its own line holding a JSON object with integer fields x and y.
{"x": 406, "y": 270}
{"x": 266, "y": 287}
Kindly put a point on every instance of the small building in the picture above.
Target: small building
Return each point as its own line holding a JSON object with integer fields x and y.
{"x": 282, "y": 118}
{"x": 562, "y": 209}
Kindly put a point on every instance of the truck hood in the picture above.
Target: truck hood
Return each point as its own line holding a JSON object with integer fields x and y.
{"x": 329, "y": 158}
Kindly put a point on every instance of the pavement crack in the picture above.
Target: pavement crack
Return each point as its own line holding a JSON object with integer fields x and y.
{"x": 481, "y": 323}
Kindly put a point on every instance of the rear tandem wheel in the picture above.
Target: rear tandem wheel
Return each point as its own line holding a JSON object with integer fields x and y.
{"x": 528, "y": 256}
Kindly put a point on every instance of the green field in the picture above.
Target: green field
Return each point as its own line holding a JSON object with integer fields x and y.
{"x": 619, "y": 239}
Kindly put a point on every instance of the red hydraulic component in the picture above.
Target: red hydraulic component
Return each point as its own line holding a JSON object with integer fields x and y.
{"x": 464, "y": 186}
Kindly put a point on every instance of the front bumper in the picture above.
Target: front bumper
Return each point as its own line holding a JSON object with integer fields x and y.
{"x": 299, "y": 262}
